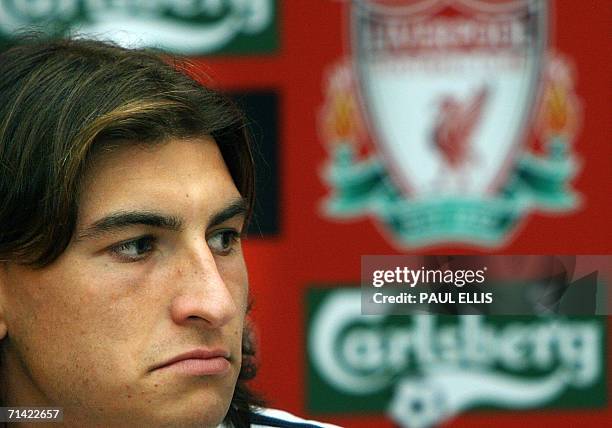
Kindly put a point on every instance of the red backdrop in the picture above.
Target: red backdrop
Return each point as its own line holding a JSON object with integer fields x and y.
{"x": 311, "y": 249}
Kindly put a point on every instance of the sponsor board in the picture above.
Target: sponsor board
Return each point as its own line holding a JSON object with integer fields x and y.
{"x": 183, "y": 26}
{"x": 426, "y": 121}
{"x": 421, "y": 370}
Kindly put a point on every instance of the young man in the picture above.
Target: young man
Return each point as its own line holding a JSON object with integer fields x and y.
{"x": 124, "y": 190}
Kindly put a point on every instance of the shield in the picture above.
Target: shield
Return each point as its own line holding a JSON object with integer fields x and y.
{"x": 448, "y": 87}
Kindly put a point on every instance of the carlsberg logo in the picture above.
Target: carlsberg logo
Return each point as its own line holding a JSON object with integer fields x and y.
{"x": 185, "y": 26}
{"x": 429, "y": 368}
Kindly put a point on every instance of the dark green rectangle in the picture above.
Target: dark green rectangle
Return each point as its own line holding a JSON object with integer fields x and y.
{"x": 538, "y": 348}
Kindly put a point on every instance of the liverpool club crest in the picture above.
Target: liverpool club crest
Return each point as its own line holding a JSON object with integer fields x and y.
{"x": 449, "y": 120}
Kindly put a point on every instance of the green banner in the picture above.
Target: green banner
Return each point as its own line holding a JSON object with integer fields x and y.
{"x": 424, "y": 369}
{"x": 224, "y": 27}
{"x": 364, "y": 187}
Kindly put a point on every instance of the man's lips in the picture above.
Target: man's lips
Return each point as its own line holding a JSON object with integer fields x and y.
{"x": 198, "y": 362}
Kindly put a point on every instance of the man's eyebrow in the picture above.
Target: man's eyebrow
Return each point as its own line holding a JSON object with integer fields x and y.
{"x": 238, "y": 207}
{"x": 122, "y": 219}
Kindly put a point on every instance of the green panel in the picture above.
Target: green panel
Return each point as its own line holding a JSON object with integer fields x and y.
{"x": 575, "y": 343}
{"x": 186, "y": 20}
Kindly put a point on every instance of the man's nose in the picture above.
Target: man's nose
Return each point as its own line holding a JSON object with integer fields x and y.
{"x": 203, "y": 296}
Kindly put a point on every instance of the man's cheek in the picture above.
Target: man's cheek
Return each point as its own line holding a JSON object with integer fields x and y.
{"x": 94, "y": 324}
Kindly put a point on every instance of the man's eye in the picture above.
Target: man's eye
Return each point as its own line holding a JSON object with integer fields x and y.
{"x": 224, "y": 241}
{"x": 134, "y": 250}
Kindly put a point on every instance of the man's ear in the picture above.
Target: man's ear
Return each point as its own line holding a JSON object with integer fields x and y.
{"x": 3, "y": 283}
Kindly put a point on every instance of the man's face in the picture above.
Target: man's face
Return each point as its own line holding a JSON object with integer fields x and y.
{"x": 155, "y": 271}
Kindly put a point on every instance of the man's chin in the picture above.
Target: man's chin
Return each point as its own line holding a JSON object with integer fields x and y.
{"x": 205, "y": 407}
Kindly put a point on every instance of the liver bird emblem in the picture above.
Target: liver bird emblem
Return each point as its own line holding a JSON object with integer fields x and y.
{"x": 455, "y": 125}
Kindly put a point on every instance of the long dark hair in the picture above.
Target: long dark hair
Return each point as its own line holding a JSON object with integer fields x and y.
{"x": 62, "y": 102}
